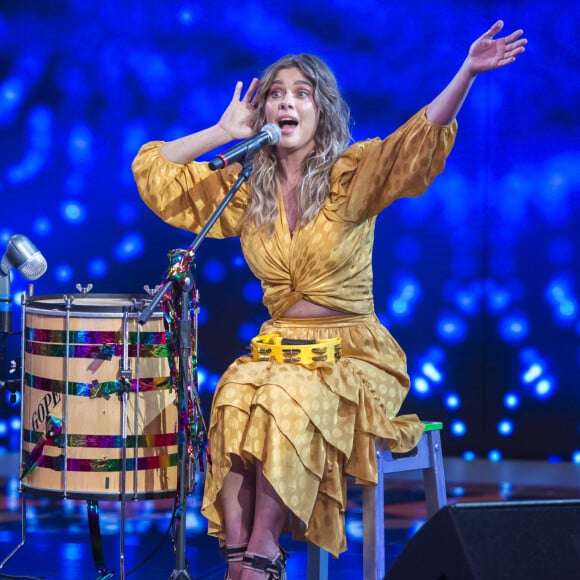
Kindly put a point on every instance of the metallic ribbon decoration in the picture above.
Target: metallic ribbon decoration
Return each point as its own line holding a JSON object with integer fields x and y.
{"x": 52, "y": 436}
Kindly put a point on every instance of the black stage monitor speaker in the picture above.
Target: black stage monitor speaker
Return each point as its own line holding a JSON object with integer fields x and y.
{"x": 512, "y": 540}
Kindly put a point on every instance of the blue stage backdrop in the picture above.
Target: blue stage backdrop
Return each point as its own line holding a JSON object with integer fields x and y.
{"x": 477, "y": 279}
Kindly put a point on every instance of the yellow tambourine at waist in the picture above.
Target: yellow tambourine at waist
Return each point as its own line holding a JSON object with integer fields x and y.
{"x": 267, "y": 347}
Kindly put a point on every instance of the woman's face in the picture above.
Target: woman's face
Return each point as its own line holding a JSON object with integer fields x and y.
{"x": 290, "y": 105}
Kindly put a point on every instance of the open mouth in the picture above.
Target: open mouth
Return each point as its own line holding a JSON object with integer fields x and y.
{"x": 287, "y": 123}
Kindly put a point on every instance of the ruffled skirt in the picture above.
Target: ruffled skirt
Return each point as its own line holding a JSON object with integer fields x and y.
{"x": 311, "y": 426}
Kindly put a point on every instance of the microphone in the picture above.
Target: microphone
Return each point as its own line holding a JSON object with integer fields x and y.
{"x": 269, "y": 135}
{"x": 23, "y": 255}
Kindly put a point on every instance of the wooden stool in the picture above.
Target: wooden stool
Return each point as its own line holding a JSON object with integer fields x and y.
{"x": 426, "y": 456}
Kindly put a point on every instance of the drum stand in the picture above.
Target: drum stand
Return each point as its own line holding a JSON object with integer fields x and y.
{"x": 14, "y": 385}
{"x": 180, "y": 571}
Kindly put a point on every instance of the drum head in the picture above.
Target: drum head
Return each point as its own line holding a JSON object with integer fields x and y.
{"x": 88, "y": 302}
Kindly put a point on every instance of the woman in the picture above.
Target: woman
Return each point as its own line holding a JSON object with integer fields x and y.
{"x": 284, "y": 435}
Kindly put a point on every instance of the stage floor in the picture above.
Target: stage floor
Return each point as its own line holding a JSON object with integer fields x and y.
{"x": 58, "y": 541}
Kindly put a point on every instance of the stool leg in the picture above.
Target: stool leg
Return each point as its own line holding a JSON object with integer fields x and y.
{"x": 317, "y": 563}
{"x": 434, "y": 476}
{"x": 374, "y": 526}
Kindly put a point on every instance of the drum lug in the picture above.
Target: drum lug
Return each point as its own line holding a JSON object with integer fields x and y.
{"x": 126, "y": 375}
{"x": 150, "y": 291}
{"x": 84, "y": 290}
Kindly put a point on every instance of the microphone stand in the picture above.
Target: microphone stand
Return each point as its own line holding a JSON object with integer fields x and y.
{"x": 185, "y": 351}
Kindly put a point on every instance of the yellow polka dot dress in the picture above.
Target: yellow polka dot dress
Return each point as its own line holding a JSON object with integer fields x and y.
{"x": 310, "y": 425}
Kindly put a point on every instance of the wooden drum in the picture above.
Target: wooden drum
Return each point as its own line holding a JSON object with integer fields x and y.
{"x": 81, "y": 436}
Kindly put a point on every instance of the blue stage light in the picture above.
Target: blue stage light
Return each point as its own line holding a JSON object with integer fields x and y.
{"x": 238, "y": 261}
{"x": 354, "y": 529}
{"x": 247, "y": 331}
{"x": 39, "y": 141}
{"x": 532, "y": 373}
{"x": 506, "y": 488}
{"x": 421, "y": 387}
{"x": 42, "y": 226}
{"x": 406, "y": 294}
{"x": 73, "y": 212}
{"x": 505, "y": 427}
{"x": 558, "y": 289}
{"x": 469, "y": 456}
{"x": 494, "y": 456}
{"x": 211, "y": 382}
{"x": 213, "y": 271}
{"x": 468, "y": 299}
{"x": 63, "y": 273}
{"x": 129, "y": 247}
{"x": 561, "y": 295}
{"x": 451, "y": 328}
{"x": 11, "y": 95}
{"x": 514, "y": 328}
{"x": 80, "y": 145}
{"x": 435, "y": 354}
{"x": 511, "y": 401}
{"x": 202, "y": 374}
{"x": 544, "y": 388}
{"x": 432, "y": 372}
{"x": 529, "y": 356}
{"x": 206, "y": 381}
{"x": 72, "y": 552}
{"x": 188, "y": 16}
{"x": 415, "y": 526}
{"x": 567, "y": 310}
{"x": 399, "y": 308}
{"x": 127, "y": 213}
{"x": 196, "y": 523}
{"x": 252, "y": 292}
{"x": 98, "y": 268}
{"x": 202, "y": 315}
{"x": 156, "y": 76}
{"x": 452, "y": 401}
{"x": 498, "y": 298}
{"x": 458, "y": 428}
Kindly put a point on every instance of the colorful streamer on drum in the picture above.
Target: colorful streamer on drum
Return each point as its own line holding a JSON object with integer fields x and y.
{"x": 192, "y": 431}
{"x": 50, "y": 437}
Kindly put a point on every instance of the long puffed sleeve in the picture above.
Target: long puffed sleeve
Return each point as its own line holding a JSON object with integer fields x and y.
{"x": 186, "y": 195}
{"x": 374, "y": 173}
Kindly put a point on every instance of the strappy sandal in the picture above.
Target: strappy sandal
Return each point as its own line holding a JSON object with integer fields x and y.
{"x": 233, "y": 554}
{"x": 275, "y": 569}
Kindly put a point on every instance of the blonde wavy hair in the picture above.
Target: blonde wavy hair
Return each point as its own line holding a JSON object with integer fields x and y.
{"x": 331, "y": 139}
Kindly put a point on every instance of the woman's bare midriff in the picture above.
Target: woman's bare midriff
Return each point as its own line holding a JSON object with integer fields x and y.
{"x": 305, "y": 309}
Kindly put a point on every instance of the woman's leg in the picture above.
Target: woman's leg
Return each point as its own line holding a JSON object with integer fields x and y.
{"x": 237, "y": 498}
{"x": 269, "y": 519}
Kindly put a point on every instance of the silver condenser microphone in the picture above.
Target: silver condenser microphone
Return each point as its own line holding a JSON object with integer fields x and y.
{"x": 23, "y": 255}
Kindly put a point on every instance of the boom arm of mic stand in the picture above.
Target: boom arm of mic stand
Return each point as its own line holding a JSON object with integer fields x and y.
{"x": 245, "y": 173}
